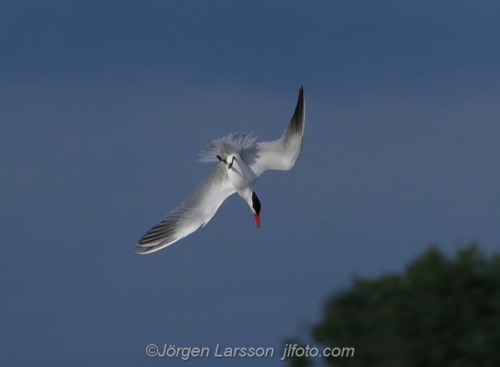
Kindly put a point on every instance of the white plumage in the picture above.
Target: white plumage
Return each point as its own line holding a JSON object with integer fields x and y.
{"x": 241, "y": 162}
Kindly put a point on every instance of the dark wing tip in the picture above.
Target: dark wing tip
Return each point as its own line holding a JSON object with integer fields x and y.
{"x": 297, "y": 122}
{"x": 157, "y": 247}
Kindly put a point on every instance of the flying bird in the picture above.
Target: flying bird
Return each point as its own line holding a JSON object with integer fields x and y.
{"x": 240, "y": 163}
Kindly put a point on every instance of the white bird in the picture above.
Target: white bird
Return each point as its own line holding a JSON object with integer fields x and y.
{"x": 241, "y": 162}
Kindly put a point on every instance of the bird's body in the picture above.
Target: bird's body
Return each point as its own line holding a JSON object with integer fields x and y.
{"x": 241, "y": 176}
{"x": 241, "y": 162}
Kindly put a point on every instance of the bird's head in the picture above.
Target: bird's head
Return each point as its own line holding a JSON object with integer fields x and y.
{"x": 255, "y": 206}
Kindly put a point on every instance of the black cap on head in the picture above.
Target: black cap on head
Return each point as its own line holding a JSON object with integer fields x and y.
{"x": 255, "y": 203}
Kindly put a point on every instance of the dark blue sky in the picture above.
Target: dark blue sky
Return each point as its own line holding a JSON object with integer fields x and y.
{"x": 105, "y": 105}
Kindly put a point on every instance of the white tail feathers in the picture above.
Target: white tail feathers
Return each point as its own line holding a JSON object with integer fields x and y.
{"x": 231, "y": 144}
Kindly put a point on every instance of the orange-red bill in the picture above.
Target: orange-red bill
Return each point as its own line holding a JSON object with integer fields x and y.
{"x": 257, "y": 220}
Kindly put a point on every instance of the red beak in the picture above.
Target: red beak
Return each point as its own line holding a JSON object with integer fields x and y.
{"x": 257, "y": 220}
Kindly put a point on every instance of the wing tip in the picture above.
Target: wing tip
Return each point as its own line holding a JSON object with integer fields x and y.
{"x": 152, "y": 248}
{"x": 297, "y": 122}
{"x": 301, "y": 98}
{"x": 145, "y": 251}
{"x": 146, "y": 246}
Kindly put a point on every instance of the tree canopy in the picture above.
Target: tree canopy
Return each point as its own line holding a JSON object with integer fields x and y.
{"x": 440, "y": 311}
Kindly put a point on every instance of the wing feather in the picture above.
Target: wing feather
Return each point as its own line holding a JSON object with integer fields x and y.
{"x": 279, "y": 154}
{"x": 192, "y": 214}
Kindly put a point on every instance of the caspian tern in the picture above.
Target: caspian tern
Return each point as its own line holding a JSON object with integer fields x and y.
{"x": 241, "y": 162}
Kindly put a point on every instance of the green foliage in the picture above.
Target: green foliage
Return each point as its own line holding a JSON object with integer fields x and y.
{"x": 440, "y": 311}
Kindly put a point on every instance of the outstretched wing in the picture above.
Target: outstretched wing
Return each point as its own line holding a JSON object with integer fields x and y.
{"x": 279, "y": 154}
{"x": 192, "y": 214}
